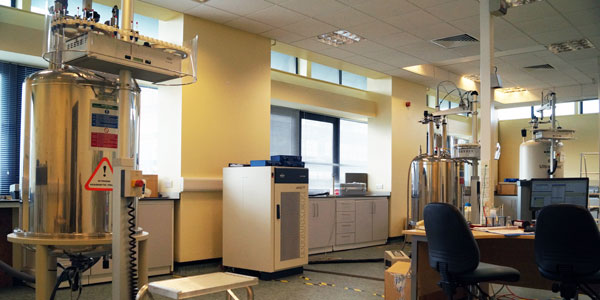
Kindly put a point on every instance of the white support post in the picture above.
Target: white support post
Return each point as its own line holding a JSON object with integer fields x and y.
{"x": 486, "y": 44}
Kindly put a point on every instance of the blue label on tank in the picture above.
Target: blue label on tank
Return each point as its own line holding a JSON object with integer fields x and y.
{"x": 106, "y": 121}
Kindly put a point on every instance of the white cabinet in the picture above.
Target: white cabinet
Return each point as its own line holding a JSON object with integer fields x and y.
{"x": 321, "y": 225}
{"x": 364, "y": 221}
{"x": 380, "y": 219}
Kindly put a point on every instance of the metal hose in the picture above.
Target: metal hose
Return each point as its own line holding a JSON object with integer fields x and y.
{"x": 12, "y": 272}
{"x": 133, "y": 274}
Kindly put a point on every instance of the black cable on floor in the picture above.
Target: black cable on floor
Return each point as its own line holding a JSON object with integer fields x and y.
{"x": 344, "y": 274}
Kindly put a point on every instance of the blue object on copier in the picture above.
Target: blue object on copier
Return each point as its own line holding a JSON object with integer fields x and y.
{"x": 264, "y": 163}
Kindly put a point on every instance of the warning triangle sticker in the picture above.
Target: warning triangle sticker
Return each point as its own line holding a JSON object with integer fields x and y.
{"x": 102, "y": 177}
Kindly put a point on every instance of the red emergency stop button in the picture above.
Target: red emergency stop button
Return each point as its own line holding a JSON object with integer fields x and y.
{"x": 137, "y": 183}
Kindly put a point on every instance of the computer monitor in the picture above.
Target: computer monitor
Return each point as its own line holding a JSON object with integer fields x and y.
{"x": 559, "y": 190}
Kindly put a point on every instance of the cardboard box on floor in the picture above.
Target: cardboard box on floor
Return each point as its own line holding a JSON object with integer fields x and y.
{"x": 397, "y": 281}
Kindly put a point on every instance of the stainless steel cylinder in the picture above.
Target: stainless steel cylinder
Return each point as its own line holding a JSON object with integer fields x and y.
{"x": 433, "y": 179}
{"x": 73, "y": 139}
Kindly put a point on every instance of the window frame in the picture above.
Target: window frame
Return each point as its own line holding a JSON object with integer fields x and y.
{"x": 336, "y": 137}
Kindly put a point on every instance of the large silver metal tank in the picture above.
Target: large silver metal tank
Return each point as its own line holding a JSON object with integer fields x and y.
{"x": 534, "y": 160}
{"x": 433, "y": 179}
{"x": 70, "y": 130}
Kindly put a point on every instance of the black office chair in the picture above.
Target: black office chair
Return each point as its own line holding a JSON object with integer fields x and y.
{"x": 454, "y": 253}
{"x": 567, "y": 249}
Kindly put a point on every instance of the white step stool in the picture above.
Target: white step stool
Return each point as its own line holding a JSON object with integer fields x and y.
{"x": 193, "y": 286}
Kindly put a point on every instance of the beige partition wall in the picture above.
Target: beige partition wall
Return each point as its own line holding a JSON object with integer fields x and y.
{"x": 225, "y": 118}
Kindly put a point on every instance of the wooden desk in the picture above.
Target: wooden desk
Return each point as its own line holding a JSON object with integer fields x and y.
{"x": 516, "y": 252}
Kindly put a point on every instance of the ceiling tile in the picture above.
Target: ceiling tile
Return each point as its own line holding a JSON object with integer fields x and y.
{"x": 386, "y": 8}
{"x": 577, "y": 75}
{"x": 570, "y": 5}
{"x": 467, "y": 50}
{"x": 523, "y": 60}
{"x": 345, "y": 18}
{"x": 590, "y": 29}
{"x": 428, "y": 52}
{"x": 276, "y": 16}
{"x": 211, "y": 13}
{"x": 468, "y": 25}
{"x": 336, "y": 53}
{"x": 413, "y": 20}
{"x": 394, "y": 58}
{"x": 532, "y": 11}
{"x": 363, "y": 47}
{"x": 467, "y": 68}
{"x": 374, "y": 31}
{"x": 276, "y": 1}
{"x": 248, "y": 25}
{"x": 399, "y": 39}
{"x": 557, "y": 36}
{"x": 180, "y": 6}
{"x": 313, "y": 7}
{"x": 584, "y": 17}
{"x": 309, "y": 27}
{"x": 455, "y": 10}
{"x": 240, "y": 7}
{"x": 311, "y": 44}
{"x": 368, "y": 63}
{"x": 429, "y": 3}
{"x": 514, "y": 43}
{"x": 440, "y": 30}
{"x": 543, "y": 25}
{"x": 504, "y": 30}
{"x": 282, "y": 35}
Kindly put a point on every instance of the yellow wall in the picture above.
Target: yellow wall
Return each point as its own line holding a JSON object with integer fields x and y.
{"x": 21, "y": 31}
{"x": 407, "y": 136}
{"x": 586, "y": 140}
{"x": 225, "y": 118}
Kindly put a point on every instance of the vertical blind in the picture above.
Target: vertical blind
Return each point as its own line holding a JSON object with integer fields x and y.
{"x": 11, "y": 87}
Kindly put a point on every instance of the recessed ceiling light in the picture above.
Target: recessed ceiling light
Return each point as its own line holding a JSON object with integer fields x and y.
{"x": 512, "y": 90}
{"x": 513, "y": 3}
{"x": 569, "y": 46}
{"x": 339, "y": 37}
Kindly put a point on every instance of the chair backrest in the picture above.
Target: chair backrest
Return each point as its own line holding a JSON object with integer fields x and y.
{"x": 567, "y": 241}
{"x": 449, "y": 239}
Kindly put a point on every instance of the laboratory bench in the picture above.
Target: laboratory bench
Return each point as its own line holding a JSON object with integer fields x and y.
{"x": 347, "y": 222}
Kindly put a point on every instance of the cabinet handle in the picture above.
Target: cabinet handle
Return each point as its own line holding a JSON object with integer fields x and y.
{"x": 317, "y": 209}
{"x": 278, "y": 212}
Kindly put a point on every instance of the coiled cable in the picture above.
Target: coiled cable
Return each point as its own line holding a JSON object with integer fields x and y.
{"x": 133, "y": 272}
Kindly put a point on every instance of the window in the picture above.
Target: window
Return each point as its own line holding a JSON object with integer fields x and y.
{"x": 330, "y": 147}
{"x": 318, "y": 147}
{"x": 284, "y": 131}
{"x": 11, "y": 87}
{"x": 354, "y": 80}
{"x": 514, "y": 113}
{"x": 354, "y": 147}
{"x": 283, "y": 62}
{"x": 149, "y": 130}
{"x": 325, "y": 73}
{"x": 590, "y": 107}
{"x": 562, "y": 109}
{"x": 6, "y": 2}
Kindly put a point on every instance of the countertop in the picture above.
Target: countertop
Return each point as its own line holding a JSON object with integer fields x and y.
{"x": 5, "y": 203}
{"x": 367, "y": 195}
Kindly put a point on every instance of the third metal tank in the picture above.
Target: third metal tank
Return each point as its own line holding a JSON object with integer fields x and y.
{"x": 433, "y": 179}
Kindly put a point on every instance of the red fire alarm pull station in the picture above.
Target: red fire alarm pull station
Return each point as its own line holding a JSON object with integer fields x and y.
{"x": 407, "y": 103}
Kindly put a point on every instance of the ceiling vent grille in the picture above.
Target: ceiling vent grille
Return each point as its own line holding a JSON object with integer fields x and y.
{"x": 456, "y": 41}
{"x": 540, "y": 67}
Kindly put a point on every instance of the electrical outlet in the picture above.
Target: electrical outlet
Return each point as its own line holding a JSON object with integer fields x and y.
{"x": 379, "y": 186}
{"x": 169, "y": 184}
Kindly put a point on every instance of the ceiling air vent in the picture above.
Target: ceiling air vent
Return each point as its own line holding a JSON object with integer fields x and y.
{"x": 456, "y": 41}
{"x": 540, "y": 67}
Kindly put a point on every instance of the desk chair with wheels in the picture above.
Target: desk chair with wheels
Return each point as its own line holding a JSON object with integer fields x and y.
{"x": 454, "y": 253}
{"x": 567, "y": 249}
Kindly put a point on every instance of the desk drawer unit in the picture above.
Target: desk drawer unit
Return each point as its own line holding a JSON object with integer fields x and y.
{"x": 345, "y": 228}
{"x": 345, "y": 205}
{"x": 344, "y": 238}
{"x": 345, "y": 216}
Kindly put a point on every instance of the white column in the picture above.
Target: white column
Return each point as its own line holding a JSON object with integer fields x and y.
{"x": 486, "y": 44}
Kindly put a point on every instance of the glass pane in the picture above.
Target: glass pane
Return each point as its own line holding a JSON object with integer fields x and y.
{"x": 5, "y": 2}
{"x": 325, "y": 73}
{"x": 354, "y": 80}
{"x": 431, "y": 101}
{"x": 354, "y": 143}
{"x": 317, "y": 141}
{"x": 591, "y": 107}
{"x": 284, "y": 131}
{"x": 149, "y": 130}
{"x": 523, "y": 112}
{"x": 320, "y": 177}
{"x": 565, "y": 109}
{"x": 283, "y": 62}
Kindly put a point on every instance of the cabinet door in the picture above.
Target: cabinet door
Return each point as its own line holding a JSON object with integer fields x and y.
{"x": 364, "y": 221}
{"x": 380, "y": 219}
{"x": 321, "y": 222}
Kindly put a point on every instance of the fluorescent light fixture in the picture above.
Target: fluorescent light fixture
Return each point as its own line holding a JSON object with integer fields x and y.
{"x": 513, "y": 3}
{"x": 569, "y": 46}
{"x": 512, "y": 90}
{"x": 339, "y": 38}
